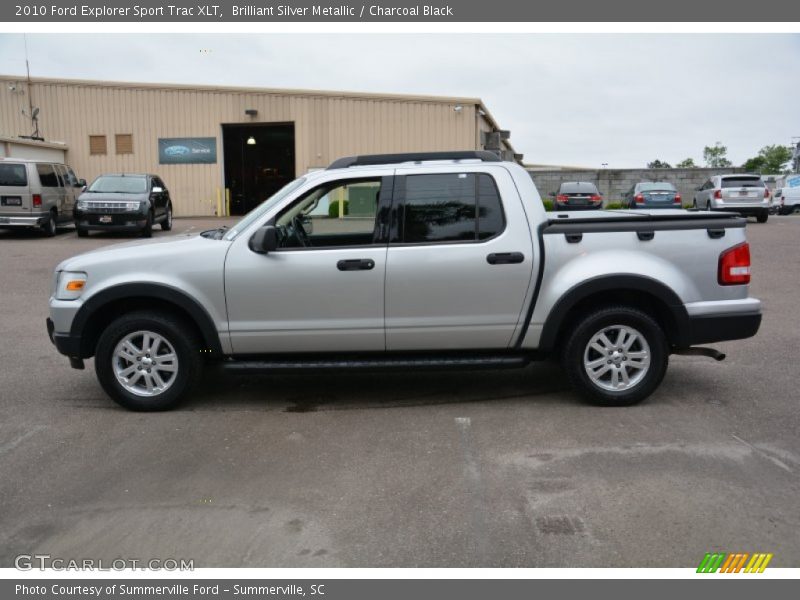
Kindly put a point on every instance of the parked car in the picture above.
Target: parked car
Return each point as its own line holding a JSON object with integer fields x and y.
{"x": 747, "y": 195}
{"x": 653, "y": 194}
{"x": 37, "y": 194}
{"x": 578, "y": 195}
{"x": 124, "y": 202}
{"x": 456, "y": 265}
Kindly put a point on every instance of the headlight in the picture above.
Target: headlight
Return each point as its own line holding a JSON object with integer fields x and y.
{"x": 83, "y": 205}
{"x": 70, "y": 285}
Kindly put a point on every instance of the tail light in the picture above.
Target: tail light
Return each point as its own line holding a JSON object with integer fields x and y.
{"x": 766, "y": 192}
{"x": 734, "y": 265}
{"x": 639, "y": 199}
{"x": 596, "y": 198}
{"x": 37, "y": 200}
{"x": 718, "y": 194}
{"x": 561, "y": 198}
{"x": 677, "y": 199}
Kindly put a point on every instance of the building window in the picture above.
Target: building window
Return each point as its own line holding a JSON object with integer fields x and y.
{"x": 124, "y": 143}
{"x": 97, "y": 144}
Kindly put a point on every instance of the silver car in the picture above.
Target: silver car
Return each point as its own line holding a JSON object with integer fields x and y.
{"x": 746, "y": 194}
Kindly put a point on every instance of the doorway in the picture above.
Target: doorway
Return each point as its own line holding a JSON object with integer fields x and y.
{"x": 258, "y": 159}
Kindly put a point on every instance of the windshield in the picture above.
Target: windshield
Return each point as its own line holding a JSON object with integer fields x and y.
{"x": 119, "y": 184}
{"x": 264, "y": 207}
{"x": 657, "y": 186}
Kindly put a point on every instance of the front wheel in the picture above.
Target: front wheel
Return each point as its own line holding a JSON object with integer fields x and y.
{"x": 166, "y": 224}
{"x": 147, "y": 230}
{"x": 146, "y": 361}
{"x": 616, "y": 356}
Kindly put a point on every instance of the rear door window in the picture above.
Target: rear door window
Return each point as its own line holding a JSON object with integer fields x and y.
{"x": 450, "y": 207}
{"x": 13, "y": 175}
{"x": 47, "y": 175}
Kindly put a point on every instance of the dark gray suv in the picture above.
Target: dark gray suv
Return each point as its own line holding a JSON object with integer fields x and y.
{"x": 124, "y": 202}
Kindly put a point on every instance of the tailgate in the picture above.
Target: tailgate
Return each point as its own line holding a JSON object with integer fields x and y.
{"x": 742, "y": 189}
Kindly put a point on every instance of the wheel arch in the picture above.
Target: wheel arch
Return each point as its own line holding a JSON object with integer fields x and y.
{"x": 102, "y": 308}
{"x": 644, "y": 293}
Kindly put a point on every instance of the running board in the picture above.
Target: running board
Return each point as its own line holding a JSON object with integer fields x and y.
{"x": 378, "y": 363}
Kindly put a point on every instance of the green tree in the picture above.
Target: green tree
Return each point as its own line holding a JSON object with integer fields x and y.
{"x": 658, "y": 164}
{"x": 686, "y": 163}
{"x": 770, "y": 159}
{"x": 716, "y": 156}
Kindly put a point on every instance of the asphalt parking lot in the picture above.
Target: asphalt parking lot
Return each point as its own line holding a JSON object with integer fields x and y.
{"x": 452, "y": 469}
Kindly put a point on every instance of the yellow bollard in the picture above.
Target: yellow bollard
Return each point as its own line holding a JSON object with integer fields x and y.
{"x": 227, "y": 202}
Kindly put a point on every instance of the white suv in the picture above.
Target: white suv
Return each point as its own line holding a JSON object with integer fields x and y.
{"x": 745, "y": 194}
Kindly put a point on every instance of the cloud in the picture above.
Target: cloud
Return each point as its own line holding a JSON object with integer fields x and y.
{"x": 567, "y": 99}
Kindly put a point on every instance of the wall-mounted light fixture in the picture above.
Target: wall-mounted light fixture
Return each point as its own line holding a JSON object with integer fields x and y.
{"x": 458, "y": 108}
{"x": 251, "y": 141}
{"x": 251, "y": 112}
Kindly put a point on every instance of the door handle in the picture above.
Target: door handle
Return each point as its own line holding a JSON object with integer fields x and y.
{"x": 356, "y": 264}
{"x": 505, "y": 258}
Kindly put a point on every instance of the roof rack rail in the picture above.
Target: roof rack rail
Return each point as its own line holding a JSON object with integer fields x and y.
{"x": 387, "y": 159}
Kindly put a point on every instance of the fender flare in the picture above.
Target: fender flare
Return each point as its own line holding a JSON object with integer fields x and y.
{"x": 667, "y": 298}
{"x": 156, "y": 291}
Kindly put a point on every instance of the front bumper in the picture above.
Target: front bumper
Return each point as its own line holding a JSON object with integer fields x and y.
{"x": 27, "y": 220}
{"x": 127, "y": 221}
{"x": 66, "y": 344}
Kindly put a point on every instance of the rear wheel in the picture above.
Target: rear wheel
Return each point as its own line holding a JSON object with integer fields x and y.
{"x": 146, "y": 361}
{"x": 616, "y": 356}
{"x": 762, "y": 216}
{"x": 49, "y": 225}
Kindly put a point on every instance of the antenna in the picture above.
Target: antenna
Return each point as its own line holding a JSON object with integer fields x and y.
{"x": 34, "y": 113}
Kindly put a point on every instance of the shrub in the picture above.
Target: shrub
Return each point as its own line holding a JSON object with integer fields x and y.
{"x": 614, "y": 206}
{"x": 548, "y": 204}
{"x": 333, "y": 209}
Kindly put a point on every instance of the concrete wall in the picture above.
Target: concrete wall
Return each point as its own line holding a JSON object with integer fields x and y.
{"x": 613, "y": 183}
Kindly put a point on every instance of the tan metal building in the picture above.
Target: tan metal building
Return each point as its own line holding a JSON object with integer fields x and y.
{"x": 224, "y": 149}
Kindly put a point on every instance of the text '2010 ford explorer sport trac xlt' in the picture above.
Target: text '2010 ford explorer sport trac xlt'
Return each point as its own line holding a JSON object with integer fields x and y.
{"x": 409, "y": 261}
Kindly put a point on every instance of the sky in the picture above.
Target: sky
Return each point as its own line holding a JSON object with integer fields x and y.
{"x": 568, "y": 99}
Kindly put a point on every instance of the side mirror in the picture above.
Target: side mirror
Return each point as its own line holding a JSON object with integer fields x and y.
{"x": 81, "y": 183}
{"x": 157, "y": 190}
{"x": 264, "y": 240}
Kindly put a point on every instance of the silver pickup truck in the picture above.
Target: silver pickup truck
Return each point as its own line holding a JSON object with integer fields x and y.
{"x": 411, "y": 261}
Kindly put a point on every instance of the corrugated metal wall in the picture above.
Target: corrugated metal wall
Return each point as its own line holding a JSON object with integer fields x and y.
{"x": 327, "y": 126}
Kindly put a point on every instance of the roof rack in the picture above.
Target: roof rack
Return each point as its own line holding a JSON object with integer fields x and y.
{"x": 387, "y": 159}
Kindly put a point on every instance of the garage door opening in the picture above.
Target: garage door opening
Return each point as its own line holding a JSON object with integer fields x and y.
{"x": 259, "y": 160}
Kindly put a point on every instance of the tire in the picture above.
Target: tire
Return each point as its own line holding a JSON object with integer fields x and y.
{"x": 694, "y": 204}
{"x": 166, "y": 224}
{"x": 49, "y": 228}
{"x": 82, "y": 232}
{"x": 173, "y": 336}
{"x": 147, "y": 230}
{"x": 650, "y": 344}
{"x": 762, "y": 216}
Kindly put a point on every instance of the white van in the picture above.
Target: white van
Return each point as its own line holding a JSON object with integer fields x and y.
{"x": 787, "y": 196}
{"x": 37, "y": 194}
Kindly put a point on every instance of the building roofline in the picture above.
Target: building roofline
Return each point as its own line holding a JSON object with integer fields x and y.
{"x": 29, "y": 142}
{"x": 248, "y": 90}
